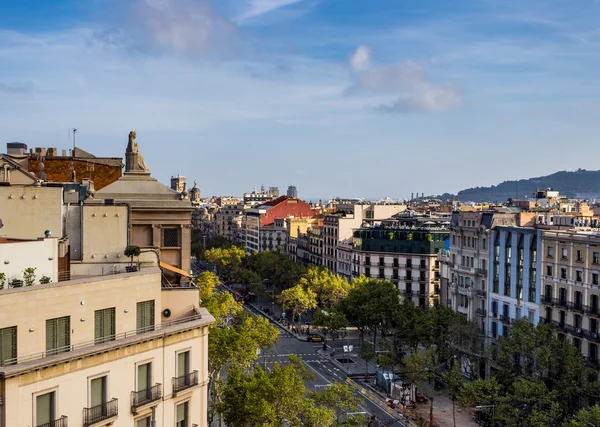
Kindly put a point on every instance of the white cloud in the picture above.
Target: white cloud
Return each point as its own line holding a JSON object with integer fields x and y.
{"x": 407, "y": 83}
{"x": 179, "y": 26}
{"x": 260, "y": 7}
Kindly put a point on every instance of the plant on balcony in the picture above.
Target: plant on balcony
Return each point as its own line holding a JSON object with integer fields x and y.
{"x": 429, "y": 237}
{"x": 29, "y": 276}
{"x": 131, "y": 251}
{"x": 410, "y": 236}
{"x": 16, "y": 283}
{"x": 2, "y": 280}
{"x": 391, "y": 235}
{"x": 44, "y": 280}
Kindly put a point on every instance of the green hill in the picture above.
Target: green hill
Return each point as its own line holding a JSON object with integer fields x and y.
{"x": 580, "y": 184}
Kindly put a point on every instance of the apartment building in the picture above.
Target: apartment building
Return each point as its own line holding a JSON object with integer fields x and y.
{"x": 226, "y": 220}
{"x": 118, "y": 350}
{"x": 345, "y": 253}
{"x": 514, "y": 285}
{"x": 315, "y": 238}
{"x": 405, "y": 252}
{"x": 571, "y": 288}
{"x": 469, "y": 261}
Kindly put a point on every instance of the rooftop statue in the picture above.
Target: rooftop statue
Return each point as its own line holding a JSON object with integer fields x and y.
{"x": 133, "y": 158}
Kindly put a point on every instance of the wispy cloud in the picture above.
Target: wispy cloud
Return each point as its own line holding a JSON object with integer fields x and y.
{"x": 19, "y": 89}
{"x": 172, "y": 26}
{"x": 260, "y": 7}
{"x": 406, "y": 82}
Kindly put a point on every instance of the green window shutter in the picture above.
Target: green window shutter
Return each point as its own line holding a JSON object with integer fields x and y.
{"x": 139, "y": 315}
{"x": 150, "y": 313}
{"x": 98, "y": 330}
{"x": 50, "y": 335}
{"x": 145, "y": 315}
{"x": 109, "y": 330}
{"x": 8, "y": 344}
{"x": 63, "y": 335}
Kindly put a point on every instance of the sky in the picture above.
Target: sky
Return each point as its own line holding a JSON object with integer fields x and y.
{"x": 348, "y": 98}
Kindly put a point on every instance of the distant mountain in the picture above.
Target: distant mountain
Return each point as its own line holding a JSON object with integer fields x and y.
{"x": 580, "y": 184}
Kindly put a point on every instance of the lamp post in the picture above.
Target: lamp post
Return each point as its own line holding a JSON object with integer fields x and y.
{"x": 493, "y": 408}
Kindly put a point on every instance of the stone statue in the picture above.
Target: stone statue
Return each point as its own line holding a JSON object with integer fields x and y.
{"x": 134, "y": 161}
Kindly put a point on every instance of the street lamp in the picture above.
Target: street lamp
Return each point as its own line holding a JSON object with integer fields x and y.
{"x": 493, "y": 407}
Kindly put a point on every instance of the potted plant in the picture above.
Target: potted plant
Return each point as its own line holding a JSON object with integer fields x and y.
{"x": 2, "y": 280}
{"x": 429, "y": 237}
{"x": 16, "y": 283}
{"x": 44, "y": 280}
{"x": 29, "y": 276}
{"x": 132, "y": 251}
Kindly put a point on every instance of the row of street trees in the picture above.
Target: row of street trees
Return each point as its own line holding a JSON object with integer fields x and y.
{"x": 241, "y": 393}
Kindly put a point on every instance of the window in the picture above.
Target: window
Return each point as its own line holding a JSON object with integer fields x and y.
{"x": 104, "y": 325}
{"x": 144, "y": 422}
{"x": 170, "y": 237}
{"x": 368, "y": 272}
{"x": 596, "y": 257}
{"x": 382, "y": 273}
{"x": 564, "y": 253}
{"x": 531, "y": 316}
{"x": 45, "y": 409}
{"x": 98, "y": 391}
{"x": 144, "y": 376}
{"x": 454, "y": 240}
{"x": 145, "y": 315}
{"x": 368, "y": 260}
{"x": 381, "y": 261}
{"x": 183, "y": 363}
{"x": 58, "y": 335}
{"x": 484, "y": 243}
{"x": 495, "y": 308}
{"x": 550, "y": 252}
{"x": 579, "y": 255}
{"x": 181, "y": 415}
{"x": 563, "y": 273}
{"x": 548, "y": 270}
{"x": 579, "y": 276}
{"x": 594, "y": 278}
{"x": 494, "y": 329}
{"x": 8, "y": 345}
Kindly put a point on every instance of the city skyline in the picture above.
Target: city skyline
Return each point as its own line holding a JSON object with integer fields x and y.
{"x": 339, "y": 98}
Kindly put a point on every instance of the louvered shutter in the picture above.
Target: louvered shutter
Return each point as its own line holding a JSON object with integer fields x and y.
{"x": 8, "y": 344}
{"x": 149, "y": 313}
{"x": 63, "y": 336}
{"x": 109, "y": 324}
{"x": 139, "y": 315}
{"x": 51, "y": 335}
{"x": 98, "y": 334}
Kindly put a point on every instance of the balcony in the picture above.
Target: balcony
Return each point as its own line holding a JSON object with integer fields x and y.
{"x": 144, "y": 397}
{"x": 591, "y": 336}
{"x": 481, "y": 271}
{"x": 574, "y": 330}
{"x": 560, "y": 303}
{"x": 408, "y": 266}
{"x": 184, "y": 382}
{"x": 577, "y": 307}
{"x": 547, "y": 299}
{"x": 545, "y": 320}
{"x": 61, "y": 422}
{"x": 422, "y": 279}
{"x": 481, "y": 312}
{"x": 505, "y": 319}
{"x": 408, "y": 278}
{"x": 594, "y": 311}
{"x": 408, "y": 293}
{"x": 481, "y": 292}
{"x": 100, "y": 413}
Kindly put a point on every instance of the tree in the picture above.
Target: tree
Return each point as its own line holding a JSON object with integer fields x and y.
{"x": 225, "y": 259}
{"x": 131, "y": 251}
{"x": 366, "y": 353}
{"x": 454, "y": 381}
{"x": 298, "y": 300}
{"x": 329, "y": 288}
{"x": 420, "y": 369}
{"x": 528, "y": 403}
{"x": 339, "y": 398}
{"x": 586, "y": 417}
{"x": 272, "y": 399}
{"x": 479, "y": 392}
{"x": 29, "y": 276}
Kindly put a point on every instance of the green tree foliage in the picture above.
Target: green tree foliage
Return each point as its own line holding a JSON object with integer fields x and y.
{"x": 587, "y": 417}
{"x": 340, "y": 399}
{"x": 419, "y": 368}
{"x": 298, "y": 300}
{"x": 132, "y": 251}
{"x": 273, "y": 399}
{"x": 528, "y": 403}
{"x": 235, "y": 337}
{"x": 479, "y": 392}
{"x": 366, "y": 353}
{"x": 454, "y": 381}
{"x": 277, "y": 268}
{"x": 370, "y": 304}
{"x": 225, "y": 259}
{"x": 329, "y": 288}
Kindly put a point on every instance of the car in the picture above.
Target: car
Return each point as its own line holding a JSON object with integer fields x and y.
{"x": 315, "y": 338}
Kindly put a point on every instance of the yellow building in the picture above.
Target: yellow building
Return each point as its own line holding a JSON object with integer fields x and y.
{"x": 109, "y": 350}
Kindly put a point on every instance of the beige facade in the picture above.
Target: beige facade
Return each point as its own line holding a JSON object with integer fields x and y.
{"x": 27, "y": 212}
{"x": 85, "y": 348}
{"x": 16, "y": 256}
{"x": 570, "y": 289}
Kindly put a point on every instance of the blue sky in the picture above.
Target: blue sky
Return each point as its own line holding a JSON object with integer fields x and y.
{"x": 353, "y": 98}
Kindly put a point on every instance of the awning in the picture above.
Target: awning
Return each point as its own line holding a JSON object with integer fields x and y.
{"x": 175, "y": 270}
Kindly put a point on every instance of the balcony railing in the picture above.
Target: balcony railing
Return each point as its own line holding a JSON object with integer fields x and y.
{"x": 408, "y": 278}
{"x": 505, "y": 319}
{"x": 481, "y": 312}
{"x": 61, "y": 422}
{"x": 408, "y": 293}
{"x": 594, "y": 311}
{"x": 591, "y": 336}
{"x": 574, "y": 330}
{"x": 101, "y": 412}
{"x": 481, "y": 271}
{"x": 481, "y": 292}
{"x": 185, "y": 381}
{"x": 143, "y": 397}
{"x": 545, "y": 320}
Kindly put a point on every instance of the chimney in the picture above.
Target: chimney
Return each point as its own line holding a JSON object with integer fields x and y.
{"x": 16, "y": 148}
{"x": 64, "y": 153}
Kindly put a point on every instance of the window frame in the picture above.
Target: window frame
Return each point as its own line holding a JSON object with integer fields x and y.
{"x": 56, "y": 349}
{"x": 106, "y": 387}
{"x": 15, "y": 344}
{"x": 35, "y": 395}
{"x": 187, "y": 412}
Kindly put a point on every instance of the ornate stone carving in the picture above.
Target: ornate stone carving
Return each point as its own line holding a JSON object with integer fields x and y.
{"x": 134, "y": 161}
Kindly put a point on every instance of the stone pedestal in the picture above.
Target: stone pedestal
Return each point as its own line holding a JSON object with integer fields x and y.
{"x": 132, "y": 164}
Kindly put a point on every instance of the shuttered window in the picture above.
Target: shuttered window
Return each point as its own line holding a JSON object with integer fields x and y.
{"x": 44, "y": 409}
{"x": 145, "y": 316}
{"x": 181, "y": 415}
{"x": 104, "y": 325}
{"x": 8, "y": 345}
{"x": 58, "y": 336}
